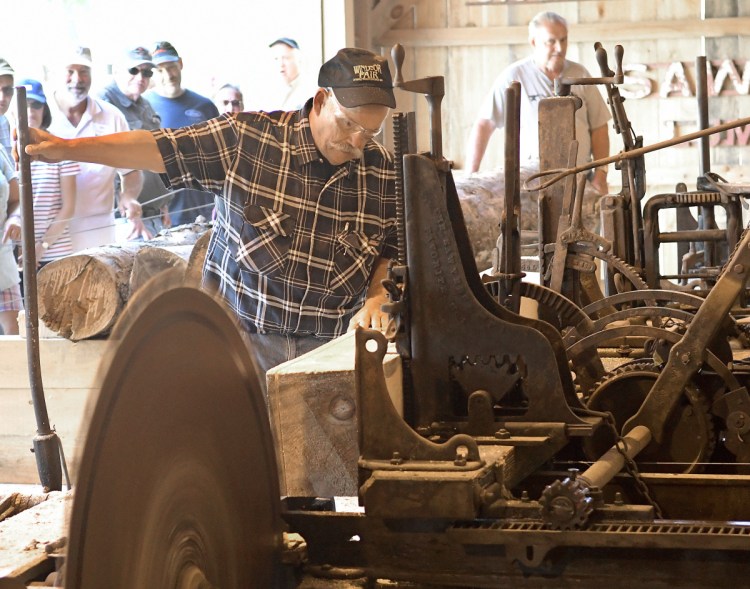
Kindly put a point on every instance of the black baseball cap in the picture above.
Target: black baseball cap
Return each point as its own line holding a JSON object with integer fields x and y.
{"x": 358, "y": 77}
{"x": 286, "y": 41}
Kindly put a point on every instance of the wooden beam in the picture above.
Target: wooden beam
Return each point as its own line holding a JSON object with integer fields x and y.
{"x": 583, "y": 32}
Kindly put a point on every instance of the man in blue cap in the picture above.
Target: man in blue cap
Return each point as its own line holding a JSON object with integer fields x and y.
{"x": 180, "y": 107}
{"x": 306, "y": 210}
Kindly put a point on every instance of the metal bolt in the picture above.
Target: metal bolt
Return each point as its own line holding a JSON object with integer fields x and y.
{"x": 685, "y": 358}
{"x": 572, "y": 473}
{"x": 460, "y": 459}
{"x": 396, "y": 459}
{"x": 739, "y": 268}
{"x": 618, "y": 499}
{"x": 502, "y": 434}
{"x": 525, "y": 496}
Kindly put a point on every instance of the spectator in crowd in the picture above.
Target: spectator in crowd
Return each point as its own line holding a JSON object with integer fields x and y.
{"x": 75, "y": 114}
{"x": 179, "y": 107}
{"x": 131, "y": 78}
{"x": 228, "y": 98}
{"x": 6, "y": 94}
{"x": 10, "y": 290}
{"x": 306, "y": 219}
{"x": 53, "y": 187}
{"x": 295, "y": 88}
{"x": 548, "y": 36}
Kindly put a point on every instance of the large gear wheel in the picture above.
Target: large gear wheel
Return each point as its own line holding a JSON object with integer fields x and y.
{"x": 689, "y": 435}
{"x": 177, "y": 485}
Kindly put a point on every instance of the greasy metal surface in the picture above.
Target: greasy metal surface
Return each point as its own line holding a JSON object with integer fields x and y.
{"x": 177, "y": 485}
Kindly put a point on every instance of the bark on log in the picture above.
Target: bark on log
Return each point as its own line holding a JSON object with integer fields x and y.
{"x": 194, "y": 270}
{"x": 82, "y": 295}
{"x": 482, "y": 203}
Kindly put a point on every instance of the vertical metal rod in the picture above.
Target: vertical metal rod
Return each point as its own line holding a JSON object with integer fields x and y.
{"x": 46, "y": 442}
{"x": 701, "y": 93}
{"x": 510, "y": 256}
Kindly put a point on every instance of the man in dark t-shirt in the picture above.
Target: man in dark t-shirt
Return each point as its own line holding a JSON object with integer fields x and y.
{"x": 180, "y": 107}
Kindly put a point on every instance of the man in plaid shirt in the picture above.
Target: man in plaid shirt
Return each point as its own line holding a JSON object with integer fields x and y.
{"x": 305, "y": 204}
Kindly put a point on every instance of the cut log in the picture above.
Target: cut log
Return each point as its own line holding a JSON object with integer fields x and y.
{"x": 80, "y": 296}
{"x": 150, "y": 261}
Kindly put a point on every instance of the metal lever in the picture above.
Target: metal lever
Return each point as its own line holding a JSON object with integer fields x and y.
{"x": 47, "y": 448}
{"x": 562, "y": 85}
{"x": 433, "y": 88}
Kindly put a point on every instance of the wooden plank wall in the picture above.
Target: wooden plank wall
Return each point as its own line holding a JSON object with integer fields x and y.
{"x": 470, "y": 44}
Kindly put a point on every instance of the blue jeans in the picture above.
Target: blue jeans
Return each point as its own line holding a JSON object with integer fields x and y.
{"x": 271, "y": 349}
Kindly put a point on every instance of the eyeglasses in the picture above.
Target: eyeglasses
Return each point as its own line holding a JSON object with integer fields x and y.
{"x": 8, "y": 90}
{"x": 35, "y": 104}
{"x": 347, "y": 125}
{"x": 146, "y": 72}
{"x": 234, "y": 103}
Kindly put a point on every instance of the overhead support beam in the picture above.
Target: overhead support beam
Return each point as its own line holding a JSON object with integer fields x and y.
{"x": 584, "y": 32}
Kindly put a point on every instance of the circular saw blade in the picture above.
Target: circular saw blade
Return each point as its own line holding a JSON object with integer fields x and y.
{"x": 177, "y": 484}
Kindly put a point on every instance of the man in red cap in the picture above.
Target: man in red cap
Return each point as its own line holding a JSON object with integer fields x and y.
{"x": 306, "y": 208}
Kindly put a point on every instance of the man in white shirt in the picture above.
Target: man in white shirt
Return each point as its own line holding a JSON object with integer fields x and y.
{"x": 296, "y": 89}
{"x": 548, "y": 36}
{"x": 76, "y": 114}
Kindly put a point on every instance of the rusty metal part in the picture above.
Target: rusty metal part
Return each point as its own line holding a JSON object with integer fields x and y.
{"x": 558, "y": 173}
{"x": 708, "y": 234}
{"x": 608, "y": 77}
{"x": 177, "y": 485}
{"x": 449, "y": 305}
{"x": 689, "y": 436}
{"x": 433, "y": 89}
{"x": 509, "y": 285}
{"x": 47, "y": 445}
{"x": 566, "y": 504}
{"x": 688, "y": 355}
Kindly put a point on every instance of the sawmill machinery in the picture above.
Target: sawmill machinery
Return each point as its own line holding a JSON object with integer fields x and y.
{"x": 505, "y": 470}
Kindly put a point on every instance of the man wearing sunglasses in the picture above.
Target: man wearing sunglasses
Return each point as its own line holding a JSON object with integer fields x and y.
{"x": 131, "y": 78}
{"x": 306, "y": 210}
{"x": 75, "y": 114}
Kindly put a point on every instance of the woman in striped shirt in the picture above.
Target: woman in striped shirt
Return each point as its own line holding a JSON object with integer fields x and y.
{"x": 54, "y": 187}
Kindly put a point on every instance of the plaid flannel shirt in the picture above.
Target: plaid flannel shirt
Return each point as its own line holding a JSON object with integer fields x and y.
{"x": 293, "y": 245}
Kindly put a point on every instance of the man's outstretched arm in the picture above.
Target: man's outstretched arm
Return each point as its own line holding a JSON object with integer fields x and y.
{"x": 135, "y": 150}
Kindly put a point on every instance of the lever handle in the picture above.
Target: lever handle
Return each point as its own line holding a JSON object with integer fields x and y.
{"x": 398, "y": 54}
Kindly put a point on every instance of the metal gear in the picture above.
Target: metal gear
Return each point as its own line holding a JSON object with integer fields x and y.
{"x": 177, "y": 485}
{"x": 690, "y": 437}
{"x": 628, "y": 271}
{"x": 566, "y": 504}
